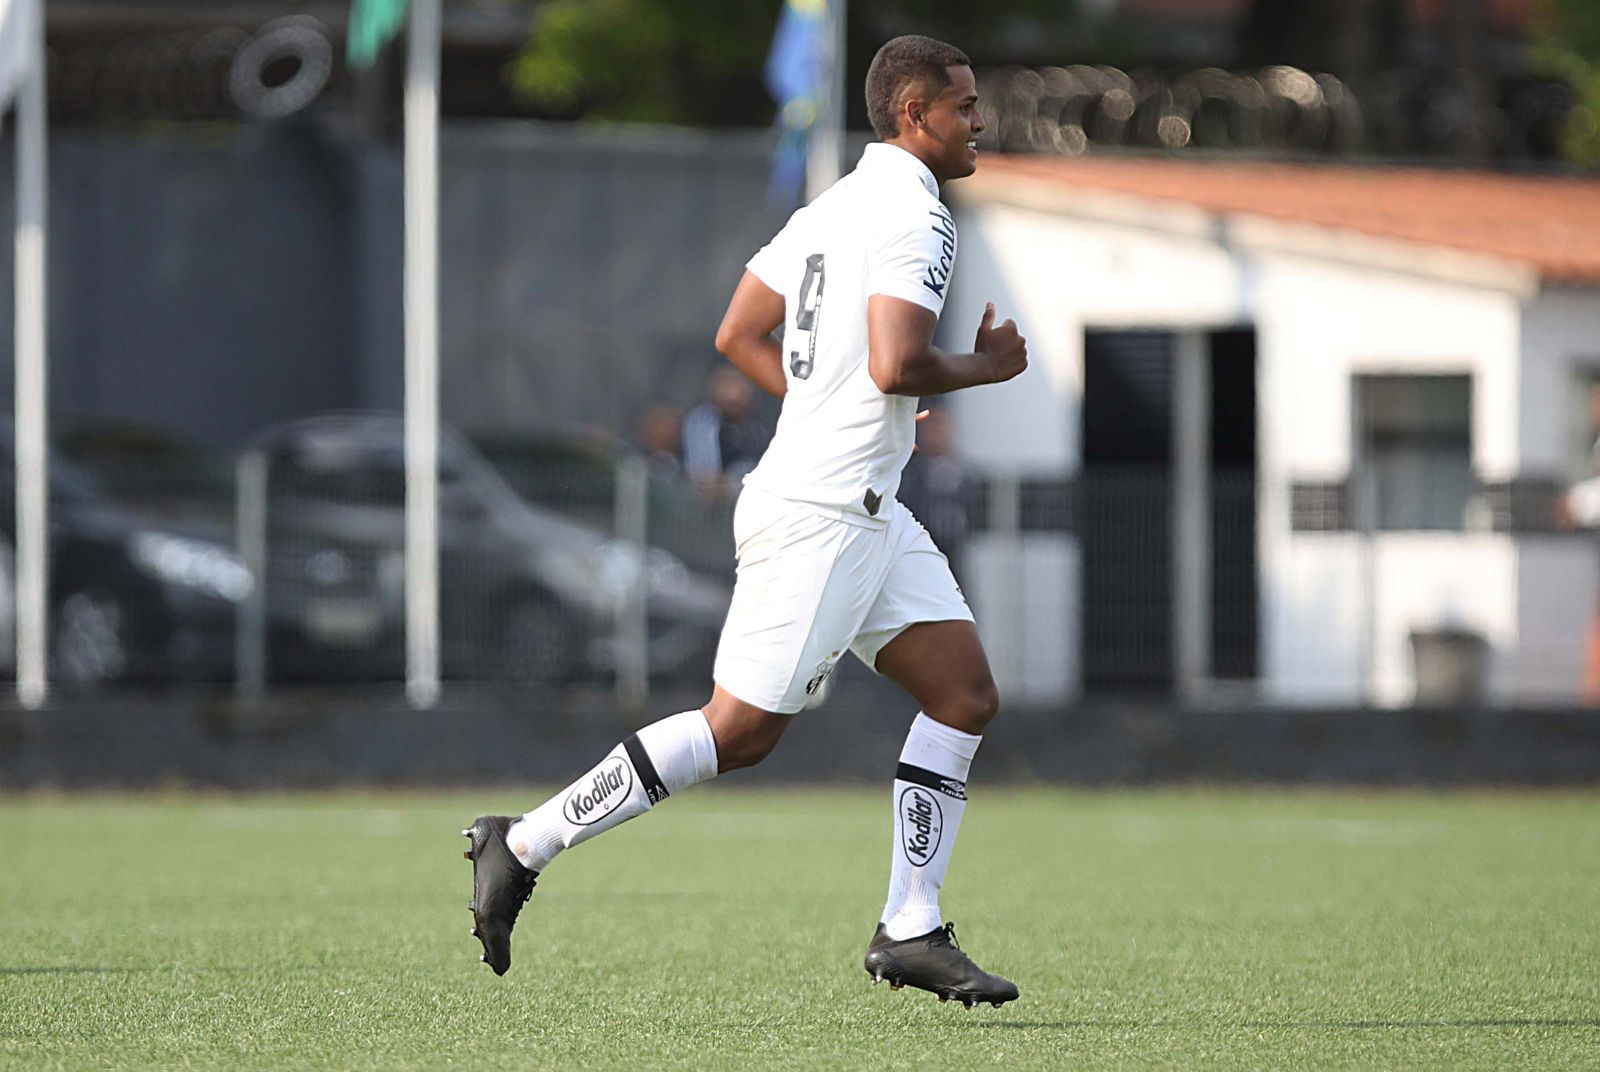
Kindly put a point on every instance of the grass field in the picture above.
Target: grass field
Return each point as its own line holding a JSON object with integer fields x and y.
{"x": 1178, "y": 929}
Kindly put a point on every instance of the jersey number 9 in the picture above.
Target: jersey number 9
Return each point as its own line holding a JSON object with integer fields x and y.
{"x": 807, "y": 316}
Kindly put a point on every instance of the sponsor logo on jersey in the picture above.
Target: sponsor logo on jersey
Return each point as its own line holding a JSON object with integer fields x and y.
{"x": 921, "y": 825}
{"x": 600, "y": 794}
{"x": 872, "y": 500}
{"x": 937, "y": 275}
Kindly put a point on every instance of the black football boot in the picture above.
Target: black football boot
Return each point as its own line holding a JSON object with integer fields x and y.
{"x": 935, "y": 963}
{"x": 500, "y": 887}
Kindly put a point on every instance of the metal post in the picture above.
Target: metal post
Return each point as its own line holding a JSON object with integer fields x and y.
{"x": 422, "y": 353}
{"x": 250, "y": 538}
{"x": 32, "y": 378}
{"x": 633, "y": 604}
{"x": 1364, "y": 501}
{"x": 1366, "y": 505}
{"x": 1005, "y": 522}
{"x": 1191, "y": 515}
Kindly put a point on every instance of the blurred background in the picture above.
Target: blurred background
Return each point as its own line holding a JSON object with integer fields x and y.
{"x": 1301, "y": 482}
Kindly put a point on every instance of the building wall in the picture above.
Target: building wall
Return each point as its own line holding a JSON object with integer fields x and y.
{"x": 1559, "y": 574}
{"x": 1057, "y": 277}
{"x": 1337, "y": 608}
{"x": 1319, "y": 325}
{"x": 1560, "y": 339}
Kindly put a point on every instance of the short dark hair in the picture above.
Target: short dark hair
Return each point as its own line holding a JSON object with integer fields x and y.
{"x": 909, "y": 62}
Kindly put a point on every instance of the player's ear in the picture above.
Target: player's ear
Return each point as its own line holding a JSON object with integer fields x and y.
{"x": 913, "y": 111}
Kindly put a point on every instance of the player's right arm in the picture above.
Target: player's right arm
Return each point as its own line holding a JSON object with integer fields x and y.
{"x": 902, "y": 359}
{"x": 745, "y": 336}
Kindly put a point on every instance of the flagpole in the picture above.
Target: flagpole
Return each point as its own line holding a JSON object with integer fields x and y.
{"x": 422, "y": 353}
{"x": 825, "y": 151}
{"x": 32, "y": 477}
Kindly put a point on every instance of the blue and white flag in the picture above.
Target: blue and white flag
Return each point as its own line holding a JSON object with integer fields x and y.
{"x": 796, "y": 67}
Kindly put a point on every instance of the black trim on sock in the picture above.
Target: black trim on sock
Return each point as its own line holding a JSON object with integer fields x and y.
{"x": 950, "y": 787}
{"x": 654, "y": 789}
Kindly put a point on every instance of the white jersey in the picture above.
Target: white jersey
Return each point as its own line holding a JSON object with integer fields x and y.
{"x": 840, "y": 441}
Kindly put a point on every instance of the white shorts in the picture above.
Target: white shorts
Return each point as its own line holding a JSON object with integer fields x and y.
{"x": 811, "y": 586}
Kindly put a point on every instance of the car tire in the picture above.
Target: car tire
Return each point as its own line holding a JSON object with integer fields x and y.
{"x": 89, "y": 642}
{"x": 535, "y": 642}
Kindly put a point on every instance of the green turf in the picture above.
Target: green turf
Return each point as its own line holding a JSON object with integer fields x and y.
{"x": 1181, "y": 929}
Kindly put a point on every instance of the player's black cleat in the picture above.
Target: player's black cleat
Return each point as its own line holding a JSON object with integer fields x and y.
{"x": 500, "y": 887}
{"x": 935, "y": 963}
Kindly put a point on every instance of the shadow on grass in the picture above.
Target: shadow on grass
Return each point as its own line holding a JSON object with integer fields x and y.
{"x": 1258, "y": 1025}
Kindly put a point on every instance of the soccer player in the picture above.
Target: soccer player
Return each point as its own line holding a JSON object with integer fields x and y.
{"x": 828, "y": 560}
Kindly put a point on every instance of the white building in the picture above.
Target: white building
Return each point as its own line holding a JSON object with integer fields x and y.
{"x": 1379, "y": 372}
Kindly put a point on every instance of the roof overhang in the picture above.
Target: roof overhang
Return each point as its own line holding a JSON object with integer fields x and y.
{"x": 1249, "y": 233}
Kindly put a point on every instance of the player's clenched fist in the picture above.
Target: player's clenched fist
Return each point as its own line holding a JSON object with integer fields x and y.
{"x": 1005, "y": 348}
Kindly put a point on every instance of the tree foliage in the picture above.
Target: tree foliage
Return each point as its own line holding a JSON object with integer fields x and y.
{"x": 699, "y": 61}
{"x": 1566, "y": 43}
{"x": 646, "y": 60}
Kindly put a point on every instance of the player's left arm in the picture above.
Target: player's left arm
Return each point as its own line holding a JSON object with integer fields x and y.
{"x": 909, "y": 263}
{"x": 902, "y": 359}
{"x": 745, "y": 336}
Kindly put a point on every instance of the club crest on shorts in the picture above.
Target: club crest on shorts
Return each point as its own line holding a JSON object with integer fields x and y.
{"x": 922, "y": 825}
{"x": 823, "y": 670}
{"x": 600, "y": 794}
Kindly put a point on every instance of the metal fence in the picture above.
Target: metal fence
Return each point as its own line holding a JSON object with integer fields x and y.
{"x": 568, "y": 561}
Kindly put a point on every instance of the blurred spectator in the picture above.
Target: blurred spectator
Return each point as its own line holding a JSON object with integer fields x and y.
{"x": 1581, "y": 508}
{"x": 659, "y": 438}
{"x": 722, "y": 440}
{"x": 940, "y": 490}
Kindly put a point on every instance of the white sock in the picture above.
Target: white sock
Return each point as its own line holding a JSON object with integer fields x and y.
{"x": 930, "y": 793}
{"x": 642, "y": 771}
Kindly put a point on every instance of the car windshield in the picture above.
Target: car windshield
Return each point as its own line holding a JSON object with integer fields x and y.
{"x": 353, "y": 471}
{"x": 69, "y": 483}
{"x": 72, "y": 483}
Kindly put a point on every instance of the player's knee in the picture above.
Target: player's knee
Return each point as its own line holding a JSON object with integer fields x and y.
{"x": 971, "y": 708}
{"x": 744, "y": 738}
{"x": 985, "y": 703}
{"x": 743, "y": 750}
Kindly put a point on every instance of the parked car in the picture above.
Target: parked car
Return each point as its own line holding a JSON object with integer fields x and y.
{"x": 147, "y": 468}
{"x": 575, "y": 475}
{"x": 525, "y": 593}
{"x": 132, "y": 597}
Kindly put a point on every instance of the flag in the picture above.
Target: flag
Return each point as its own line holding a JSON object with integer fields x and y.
{"x": 373, "y": 24}
{"x": 16, "y": 45}
{"x": 794, "y": 72}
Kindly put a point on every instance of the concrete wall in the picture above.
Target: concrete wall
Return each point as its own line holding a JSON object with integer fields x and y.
{"x": 202, "y": 284}
{"x": 220, "y": 281}
{"x": 586, "y": 271}
{"x": 373, "y": 739}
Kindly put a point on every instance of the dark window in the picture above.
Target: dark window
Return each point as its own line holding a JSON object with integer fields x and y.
{"x": 1413, "y": 456}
